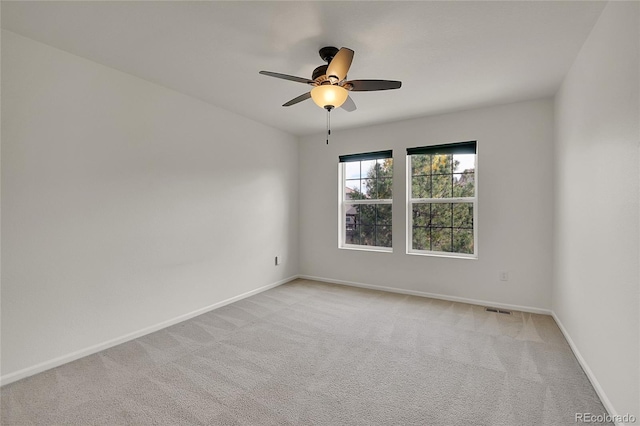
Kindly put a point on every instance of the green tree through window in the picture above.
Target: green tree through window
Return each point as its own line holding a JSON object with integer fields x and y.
{"x": 366, "y": 210}
{"x": 442, "y": 201}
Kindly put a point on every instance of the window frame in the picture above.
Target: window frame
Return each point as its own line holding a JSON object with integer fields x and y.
{"x": 452, "y": 200}
{"x": 342, "y": 203}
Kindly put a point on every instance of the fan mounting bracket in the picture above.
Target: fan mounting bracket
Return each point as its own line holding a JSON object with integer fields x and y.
{"x": 328, "y": 52}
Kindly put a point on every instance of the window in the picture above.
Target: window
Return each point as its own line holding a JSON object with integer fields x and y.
{"x": 365, "y": 201}
{"x": 442, "y": 198}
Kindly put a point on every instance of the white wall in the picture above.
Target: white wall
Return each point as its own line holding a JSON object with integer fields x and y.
{"x": 126, "y": 204}
{"x": 515, "y": 189}
{"x": 596, "y": 280}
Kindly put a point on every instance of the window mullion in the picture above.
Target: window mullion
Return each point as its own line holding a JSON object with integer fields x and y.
{"x": 444, "y": 200}
{"x": 451, "y": 214}
{"x": 430, "y": 227}
{"x": 370, "y": 201}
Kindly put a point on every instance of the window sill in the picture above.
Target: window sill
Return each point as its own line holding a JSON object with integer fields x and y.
{"x": 442, "y": 254}
{"x": 367, "y": 248}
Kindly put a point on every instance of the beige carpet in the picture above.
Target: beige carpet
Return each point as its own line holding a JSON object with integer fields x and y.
{"x": 314, "y": 353}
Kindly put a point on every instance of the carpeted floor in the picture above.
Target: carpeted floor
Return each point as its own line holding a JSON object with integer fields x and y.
{"x": 316, "y": 353}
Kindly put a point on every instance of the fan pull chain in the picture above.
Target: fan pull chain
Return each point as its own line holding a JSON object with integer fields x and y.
{"x": 328, "y": 124}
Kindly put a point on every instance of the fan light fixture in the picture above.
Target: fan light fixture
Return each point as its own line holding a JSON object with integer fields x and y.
{"x": 329, "y": 96}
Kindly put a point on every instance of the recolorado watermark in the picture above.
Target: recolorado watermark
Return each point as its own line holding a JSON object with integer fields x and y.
{"x": 605, "y": 417}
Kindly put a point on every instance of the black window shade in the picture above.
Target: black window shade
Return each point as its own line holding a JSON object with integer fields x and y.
{"x": 450, "y": 148}
{"x": 366, "y": 156}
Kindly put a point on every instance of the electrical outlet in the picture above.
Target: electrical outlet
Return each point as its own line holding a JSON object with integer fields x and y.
{"x": 504, "y": 275}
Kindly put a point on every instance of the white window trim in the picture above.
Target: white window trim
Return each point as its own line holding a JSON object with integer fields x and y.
{"x": 342, "y": 229}
{"x": 409, "y": 222}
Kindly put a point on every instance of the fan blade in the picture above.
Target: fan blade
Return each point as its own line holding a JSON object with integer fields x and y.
{"x": 298, "y": 99}
{"x": 340, "y": 64}
{"x": 371, "y": 85}
{"x": 287, "y": 77}
{"x": 349, "y": 105}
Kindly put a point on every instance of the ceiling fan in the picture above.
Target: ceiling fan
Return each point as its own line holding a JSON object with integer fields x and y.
{"x": 330, "y": 87}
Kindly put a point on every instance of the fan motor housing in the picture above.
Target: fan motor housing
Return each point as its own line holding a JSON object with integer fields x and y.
{"x": 319, "y": 72}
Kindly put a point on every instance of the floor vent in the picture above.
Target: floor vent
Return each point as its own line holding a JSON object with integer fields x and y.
{"x": 498, "y": 311}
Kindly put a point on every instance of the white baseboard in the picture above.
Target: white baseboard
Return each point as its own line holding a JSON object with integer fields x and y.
{"x": 521, "y": 308}
{"x": 585, "y": 367}
{"x": 43, "y": 366}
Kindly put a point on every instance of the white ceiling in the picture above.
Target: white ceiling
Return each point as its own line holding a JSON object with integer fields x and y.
{"x": 449, "y": 55}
